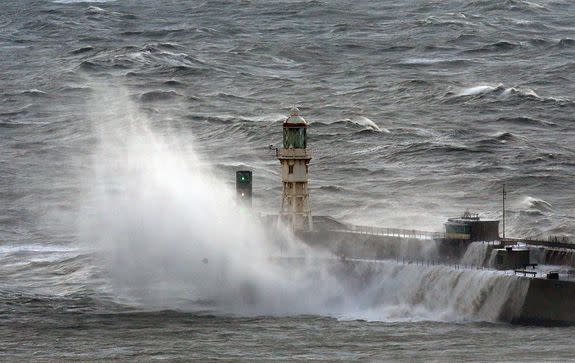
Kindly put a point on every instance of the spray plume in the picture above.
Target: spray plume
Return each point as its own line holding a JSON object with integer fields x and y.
{"x": 170, "y": 235}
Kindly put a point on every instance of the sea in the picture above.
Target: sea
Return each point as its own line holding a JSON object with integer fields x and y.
{"x": 122, "y": 124}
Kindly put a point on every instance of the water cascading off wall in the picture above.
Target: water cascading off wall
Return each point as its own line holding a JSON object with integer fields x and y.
{"x": 476, "y": 254}
{"x": 169, "y": 235}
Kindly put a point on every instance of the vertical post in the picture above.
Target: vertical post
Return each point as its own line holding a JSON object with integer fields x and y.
{"x": 503, "y": 197}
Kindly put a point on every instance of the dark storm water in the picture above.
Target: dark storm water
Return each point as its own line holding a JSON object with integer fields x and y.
{"x": 418, "y": 111}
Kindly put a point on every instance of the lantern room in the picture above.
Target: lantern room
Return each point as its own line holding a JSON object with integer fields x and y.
{"x": 294, "y": 131}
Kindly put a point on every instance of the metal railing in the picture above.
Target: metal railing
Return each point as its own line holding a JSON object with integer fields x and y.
{"x": 454, "y": 265}
{"x": 393, "y": 232}
{"x": 293, "y": 153}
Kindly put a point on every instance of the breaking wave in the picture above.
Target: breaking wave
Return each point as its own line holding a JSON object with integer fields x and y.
{"x": 500, "y": 92}
{"x": 169, "y": 234}
{"x": 531, "y": 203}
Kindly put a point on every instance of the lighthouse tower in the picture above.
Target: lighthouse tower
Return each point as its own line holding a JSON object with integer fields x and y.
{"x": 294, "y": 159}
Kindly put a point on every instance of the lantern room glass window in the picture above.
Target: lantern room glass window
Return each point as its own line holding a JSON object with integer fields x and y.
{"x": 295, "y": 137}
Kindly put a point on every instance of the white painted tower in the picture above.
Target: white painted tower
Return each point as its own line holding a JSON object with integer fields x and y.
{"x": 294, "y": 158}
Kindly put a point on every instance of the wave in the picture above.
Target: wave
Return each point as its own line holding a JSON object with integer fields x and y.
{"x": 539, "y": 42}
{"x": 331, "y": 188}
{"x": 82, "y": 50}
{"x": 465, "y": 37}
{"x": 505, "y": 136}
{"x": 523, "y": 120}
{"x": 566, "y": 43}
{"x": 19, "y": 248}
{"x": 15, "y": 112}
{"x": 428, "y": 62}
{"x": 157, "y": 33}
{"x": 356, "y": 122}
{"x": 152, "y": 59}
{"x": 535, "y": 204}
{"x": 95, "y": 10}
{"x": 389, "y": 291}
{"x": 479, "y": 90}
{"x": 236, "y": 119}
{"x": 78, "y": 90}
{"x": 458, "y": 20}
{"x": 501, "y": 46}
{"x": 364, "y": 121}
{"x": 91, "y": 66}
{"x": 522, "y": 6}
{"x": 34, "y": 93}
{"x": 174, "y": 83}
{"x": 179, "y": 71}
{"x": 396, "y": 48}
{"x": 212, "y": 251}
{"x": 155, "y": 96}
{"x": 502, "y": 93}
{"x": 416, "y": 149}
{"x": 501, "y": 137}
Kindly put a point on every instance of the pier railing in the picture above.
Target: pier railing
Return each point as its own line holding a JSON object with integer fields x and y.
{"x": 454, "y": 265}
{"x": 393, "y": 232}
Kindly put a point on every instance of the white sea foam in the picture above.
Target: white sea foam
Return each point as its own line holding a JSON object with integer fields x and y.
{"x": 362, "y": 120}
{"x": 478, "y": 90}
{"x": 366, "y": 122}
{"x": 498, "y": 90}
{"x": 16, "y": 248}
{"x": 536, "y": 203}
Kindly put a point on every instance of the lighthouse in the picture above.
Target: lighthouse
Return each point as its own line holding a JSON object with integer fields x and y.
{"x": 294, "y": 158}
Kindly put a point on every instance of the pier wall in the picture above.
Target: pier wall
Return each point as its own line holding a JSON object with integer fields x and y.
{"x": 548, "y": 302}
{"x": 358, "y": 245}
{"x": 554, "y": 256}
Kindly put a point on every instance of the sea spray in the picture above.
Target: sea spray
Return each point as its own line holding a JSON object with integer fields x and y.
{"x": 170, "y": 235}
{"x": 395, "y": 291}
{"x": 475, "y": 254}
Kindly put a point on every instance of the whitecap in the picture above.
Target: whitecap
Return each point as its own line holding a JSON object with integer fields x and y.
{"x": 364, "y": 121}
{"x": 15, "y": 248}
{"x": 479, "y": 90}
{"x": 520, "y": 91}
{"x": 422, "y": 61}
{"x": 536, "y": 204}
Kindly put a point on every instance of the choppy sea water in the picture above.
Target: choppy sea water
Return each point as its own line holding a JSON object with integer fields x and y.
{"x": 417, "y": 111}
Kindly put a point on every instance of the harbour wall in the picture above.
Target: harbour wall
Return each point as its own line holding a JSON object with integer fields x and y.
{"x": 356, "y": 245}
{"x": 545, "y": 301}
{"x": 556, "y": 256}
{"x": 548, "y": 302}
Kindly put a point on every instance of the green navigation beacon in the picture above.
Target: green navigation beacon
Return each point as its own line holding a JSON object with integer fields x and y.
{"x": 244, "y": 187}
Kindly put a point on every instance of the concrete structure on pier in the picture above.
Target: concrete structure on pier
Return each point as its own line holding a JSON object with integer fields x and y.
{"x": 294, "y": 157}
{"x": 470, "y": 227}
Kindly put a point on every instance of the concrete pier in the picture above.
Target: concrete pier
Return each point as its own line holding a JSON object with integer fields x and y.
{"x": 548, "y": 302}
